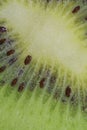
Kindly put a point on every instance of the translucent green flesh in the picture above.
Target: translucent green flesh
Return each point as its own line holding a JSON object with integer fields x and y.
{"x": 25, "y": 112}
{"x": 56, "y": 40}
{"x": 50, "y": 33}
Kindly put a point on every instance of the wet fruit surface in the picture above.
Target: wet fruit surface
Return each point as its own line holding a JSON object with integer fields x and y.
{"x": 42, "y": 51}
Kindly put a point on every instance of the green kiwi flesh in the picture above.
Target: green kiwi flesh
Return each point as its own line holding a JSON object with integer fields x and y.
{"x": 43, "y": 64}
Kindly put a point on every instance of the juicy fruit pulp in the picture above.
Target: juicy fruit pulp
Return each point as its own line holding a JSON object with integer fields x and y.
{"x": 43, "y": 49}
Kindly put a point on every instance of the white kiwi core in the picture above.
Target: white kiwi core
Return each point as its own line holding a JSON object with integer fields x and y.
{"x": 54, "y": 36}
{"x": 45, "y": 33}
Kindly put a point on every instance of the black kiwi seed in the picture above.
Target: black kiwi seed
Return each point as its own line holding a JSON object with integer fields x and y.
{"x": 20, "y": 72}
{"x": 42, "y": 83}
{"x": 3, "y": 29}
{"x": 68, "y": 91}
{"x": 27, "y": 60}
{"x": 10, "y": 52}
{"x": 85, "y": 18}
{"x": 2, "y": 68}
{"x": 12, "y": 60}
{"x": 48, "y": 1}
{"x": 14, "y": 81}
{"x": 76, "y": 9}
{"x": 21, "y": 87}
{"x": 2, "y": 41}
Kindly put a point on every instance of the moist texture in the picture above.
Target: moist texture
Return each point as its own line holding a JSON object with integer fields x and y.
{"x": 43, "y": 64}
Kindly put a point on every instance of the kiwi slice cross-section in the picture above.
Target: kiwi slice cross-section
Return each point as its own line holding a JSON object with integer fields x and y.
{"x": 43, "y": 64}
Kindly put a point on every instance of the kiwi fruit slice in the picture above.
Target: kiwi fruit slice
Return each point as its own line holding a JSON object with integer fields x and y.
{"x": 43, "y": 64}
